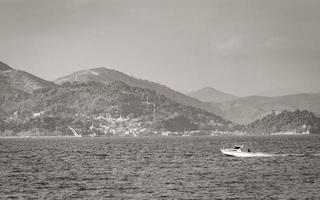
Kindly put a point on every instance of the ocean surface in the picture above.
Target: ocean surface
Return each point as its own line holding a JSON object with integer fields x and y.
{"x": 159, "y": 168}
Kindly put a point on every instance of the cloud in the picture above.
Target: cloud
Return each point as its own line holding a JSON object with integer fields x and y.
{"x": 230, "y": 45}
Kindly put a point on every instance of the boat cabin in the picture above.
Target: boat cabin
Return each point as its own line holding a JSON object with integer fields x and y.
{"x": 237, "y": 148}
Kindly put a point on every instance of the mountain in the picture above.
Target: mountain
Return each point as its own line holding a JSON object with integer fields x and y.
{"x": 281, "y": 91}
{"x": 97, "y": 104}
{"x": 286, "y": 122}
{"x": 105, "y": 75}
{"x": 248, "y": 109}
{"x": 21, "y": 80}
{"x": 9, "y": 96}
{"x": 209, "y": 94}
{"x": 4, "y": 67}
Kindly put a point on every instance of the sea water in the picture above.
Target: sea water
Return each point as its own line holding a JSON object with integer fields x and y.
{"x": 159, "y": 168}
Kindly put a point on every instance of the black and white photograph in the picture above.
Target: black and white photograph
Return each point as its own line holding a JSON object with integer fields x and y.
{"x": 160, "y": 99}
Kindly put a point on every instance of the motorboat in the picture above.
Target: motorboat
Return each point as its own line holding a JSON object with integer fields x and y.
{"x": 236, "y": 151}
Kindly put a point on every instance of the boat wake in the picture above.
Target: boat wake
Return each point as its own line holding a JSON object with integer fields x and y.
{"x": 258, "y": 154}
{"x": 298, "y": 154}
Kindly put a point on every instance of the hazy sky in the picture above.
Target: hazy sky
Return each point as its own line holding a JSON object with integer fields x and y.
{"x": 237, "y": 46}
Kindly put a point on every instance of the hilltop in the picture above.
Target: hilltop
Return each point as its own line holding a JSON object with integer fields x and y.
{"x": 105, "y": 75}
{"x": 209, "y": 94}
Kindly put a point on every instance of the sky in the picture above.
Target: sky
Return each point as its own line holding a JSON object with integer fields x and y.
{"x": 240, "y": 47}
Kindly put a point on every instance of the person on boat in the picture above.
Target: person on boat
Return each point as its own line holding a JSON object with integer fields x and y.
{"x": 249, "y": 150}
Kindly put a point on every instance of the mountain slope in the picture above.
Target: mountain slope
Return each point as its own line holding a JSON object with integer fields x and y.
{"x": 209, "y": 94}
{"x": 9, "y": 97}
{"x": 248, "y": 109}
{"x": 4, "y": 67}
{"x": 281, "y": 91}
{"x": 78, "y": 104}
{"x": 105, "y": 75}
{"x": 23, "y": 81}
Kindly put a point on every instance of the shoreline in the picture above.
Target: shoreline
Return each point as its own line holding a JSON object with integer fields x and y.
{"x": 223, "y": 135}
{"x": 30, "y": 137}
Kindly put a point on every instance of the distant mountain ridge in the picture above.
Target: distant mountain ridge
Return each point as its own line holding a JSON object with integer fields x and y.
{"x": 276, "y": 92}
{"x": 21, "y": 80}
{"x": 209, "y": 94}
{"x": 248, "y": 109}
{"x": 105, "y": 75}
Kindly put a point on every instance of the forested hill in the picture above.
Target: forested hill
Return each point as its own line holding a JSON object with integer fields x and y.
{"x": 52, "y": 109}
{"x": 295, "y": 122}
{"x": 104, "y": 75}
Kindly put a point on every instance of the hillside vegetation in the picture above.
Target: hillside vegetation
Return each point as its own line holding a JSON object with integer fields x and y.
{"x": 104, "y": 75}
{"x": 295, "y": 122}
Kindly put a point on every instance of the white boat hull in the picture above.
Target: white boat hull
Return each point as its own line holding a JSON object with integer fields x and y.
{"x": 227, "y": 152}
